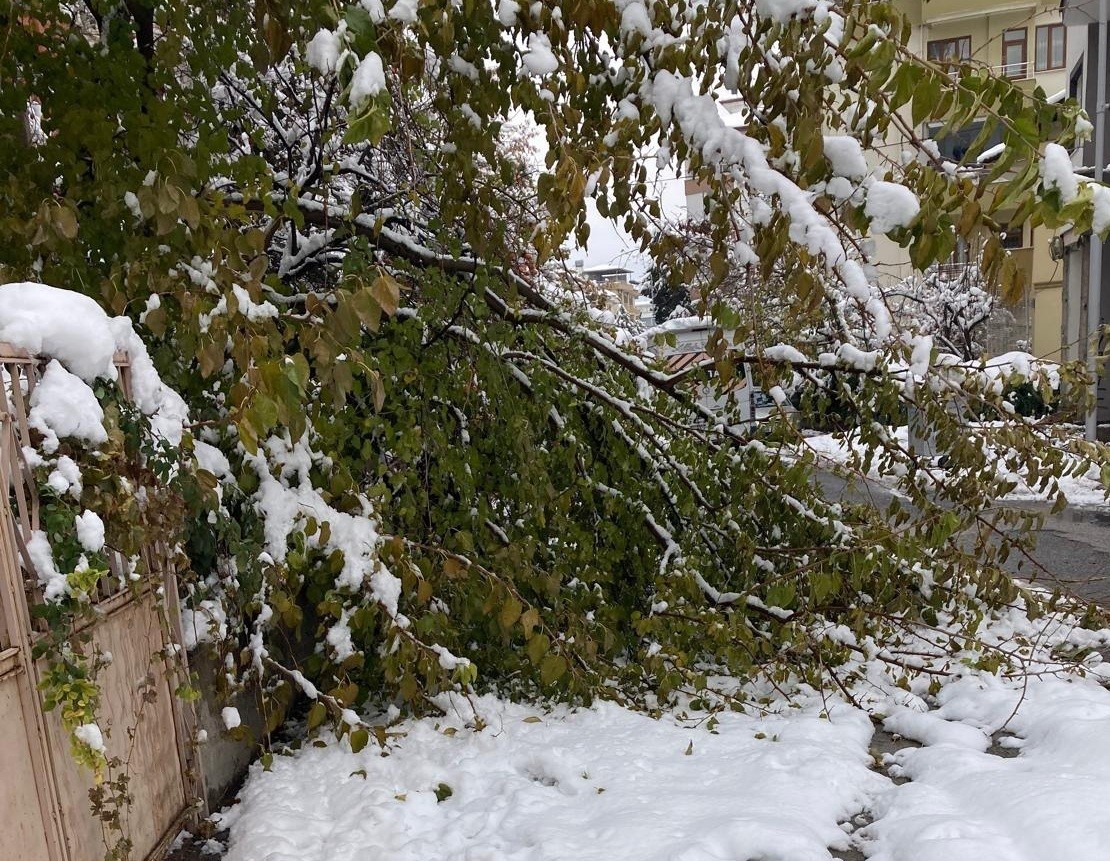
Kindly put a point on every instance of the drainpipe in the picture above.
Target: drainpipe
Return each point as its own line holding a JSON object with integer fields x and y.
{"x": 1094, "y": 286}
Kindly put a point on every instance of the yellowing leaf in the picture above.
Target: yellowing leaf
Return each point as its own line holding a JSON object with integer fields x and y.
{"x": 510, "y": 612}
{"x": 387, "y": 293}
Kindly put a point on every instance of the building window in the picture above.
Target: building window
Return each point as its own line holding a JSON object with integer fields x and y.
{"x": 954, "y": 145}
{"x": 1015, "y": 61}
{"x": 950, "y": 50}
{"x": 1051, "y": 47}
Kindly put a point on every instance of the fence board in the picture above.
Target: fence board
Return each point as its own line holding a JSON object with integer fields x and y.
{"x": 147, "y": 726}
{"x": 24, "y": 833}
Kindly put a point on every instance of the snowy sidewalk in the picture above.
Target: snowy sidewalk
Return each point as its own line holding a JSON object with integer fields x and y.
{"x": 835, "y": 449}
{"x": 607, "y": 784}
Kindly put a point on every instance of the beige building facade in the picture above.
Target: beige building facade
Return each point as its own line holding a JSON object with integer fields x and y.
{"x": 1028, "y": 42}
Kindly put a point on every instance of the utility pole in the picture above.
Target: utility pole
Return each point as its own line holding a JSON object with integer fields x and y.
{"x": 1094, "y": 281}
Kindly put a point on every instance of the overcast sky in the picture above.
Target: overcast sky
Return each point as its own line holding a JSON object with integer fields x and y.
{"x": 609, "y": 245}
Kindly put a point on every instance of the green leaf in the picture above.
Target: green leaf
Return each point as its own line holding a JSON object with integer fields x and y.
{"x": 316, "y": 715}
{"x": 359, "y": 738}
{"x": 552, "y": 668}
{"x": 537, "y": 647}
{"x": 373, "y": 124}
{"x": 510, "y": 612}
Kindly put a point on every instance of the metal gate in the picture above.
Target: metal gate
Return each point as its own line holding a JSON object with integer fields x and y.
{"x": 43, "y": 793}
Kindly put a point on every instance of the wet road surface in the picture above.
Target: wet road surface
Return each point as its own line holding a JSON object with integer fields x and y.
{"x": 1073, "y": 547}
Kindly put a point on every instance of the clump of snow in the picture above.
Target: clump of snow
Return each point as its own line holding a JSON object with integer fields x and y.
{"x": 339, "y": 638}
{"x": 781, "y": 11}
{"x": 90, "y": 734}
{"x": 90, "y": 531}
{"x": 368, "y": 80}
{"x": 230, "y": 717}
{"x": 287, "y": 502}
{"x": 64, "y": 478}
{"x": 1100, "y": 219}
{"x": 375, "y": 9}
{"x": 676, "y": 324}
{"x": 53, "y": 582}
{"x": 62, "y": 405}
{"x": 404, "y": 11}
{"x": 307, "y": 688}
{"x": 131, "y": 201}
{"x": 64, "y": 325}
{"x": 211, "y": 459}
{"x": 206, "y": 624}
{"x": 1022, "y": 366}
{"x": 635, "y": 19}
{"x": 929, "y": 728}
{"x": 921, "y": 351}
{"x": 539, "y": 58}
{"x": 165, "y": 408}
{"x": 322, "y": 52}
{"x": 890, "y": 206}
{"x": 449, "y": 661}
{"x": 250, "y": 309}
{"x": 1057, "y": 172}
{"x": 507, "y": 12}
{"x": 846, "y": 157}
{"x": 74, "y": 331}
{"x": 350, "y": 717}
{"x": 784, "y": 353}
{"x": 861, "y": 360}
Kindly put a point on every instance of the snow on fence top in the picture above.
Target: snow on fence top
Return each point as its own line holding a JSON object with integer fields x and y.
{"x": 80, "y": 343}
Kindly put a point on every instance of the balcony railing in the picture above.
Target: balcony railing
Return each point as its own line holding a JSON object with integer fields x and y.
{"x": 1016, "y": 71}
{"x": 955, "y": 271}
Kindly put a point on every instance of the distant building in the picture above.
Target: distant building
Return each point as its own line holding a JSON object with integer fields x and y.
{"x": 734, "y": 403}
{"x": 613, "y": 289}
{"x": 732, "y": 112}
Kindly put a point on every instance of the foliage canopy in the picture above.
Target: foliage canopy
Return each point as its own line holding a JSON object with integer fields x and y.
{"x": 432, "y": 464}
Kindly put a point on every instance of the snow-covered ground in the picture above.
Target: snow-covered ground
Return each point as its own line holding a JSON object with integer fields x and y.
{"x": 1082, "y": 491}
{"x": 1009, "y": 768}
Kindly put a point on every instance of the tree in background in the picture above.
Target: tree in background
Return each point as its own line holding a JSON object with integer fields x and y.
{"x": 760, "y": 310}
{"x": 419, "y": 457}
{"x": 953, "y": 304}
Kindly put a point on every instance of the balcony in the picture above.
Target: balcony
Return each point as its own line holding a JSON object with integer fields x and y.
{"x": 956, "y": 272}
{"x": 1014, "y": 71}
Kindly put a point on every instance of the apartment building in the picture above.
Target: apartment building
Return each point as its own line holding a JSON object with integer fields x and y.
{"x": 1027, "y": 42}
{"x": 611, "y": 288}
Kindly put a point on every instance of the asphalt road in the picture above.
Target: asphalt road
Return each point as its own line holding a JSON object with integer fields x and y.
{"x": 1073, "y": 547}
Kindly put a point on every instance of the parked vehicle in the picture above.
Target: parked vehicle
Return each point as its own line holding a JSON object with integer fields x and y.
{"x": 735, "y": 402}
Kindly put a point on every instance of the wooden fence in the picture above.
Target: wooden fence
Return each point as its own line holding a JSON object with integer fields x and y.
{"x": 44, "y": 794}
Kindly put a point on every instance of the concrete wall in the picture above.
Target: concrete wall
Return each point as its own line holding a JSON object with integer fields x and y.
{"x": 224, "y": 757}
